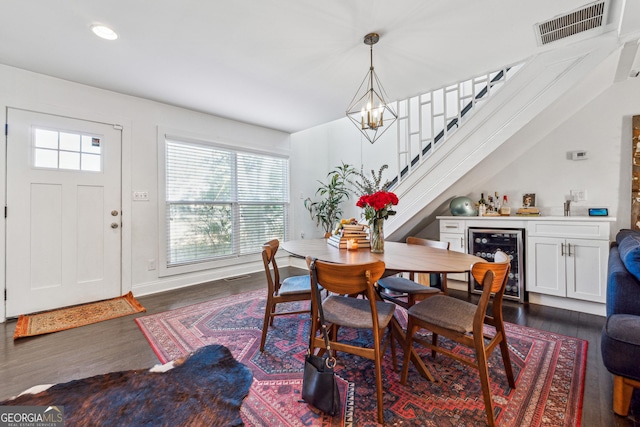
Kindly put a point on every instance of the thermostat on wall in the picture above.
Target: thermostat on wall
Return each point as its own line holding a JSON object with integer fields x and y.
{"x": 577, "y": 155}
{"x": 598, "y": 212}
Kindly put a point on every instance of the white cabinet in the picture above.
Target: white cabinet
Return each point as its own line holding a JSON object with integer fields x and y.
{"x": 454, "y": 232}
{"x": 568, "y": 259}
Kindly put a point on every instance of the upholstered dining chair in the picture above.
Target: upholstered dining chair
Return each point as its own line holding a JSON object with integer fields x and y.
{"x": 342, "y": 309}
{"x": 406, "y": 292}
{"x": 295, "y": 288}
{"x": 463, "y": 322}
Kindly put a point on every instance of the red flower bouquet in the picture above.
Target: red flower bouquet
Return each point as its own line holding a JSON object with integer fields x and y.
{"x": 378, "y": 205}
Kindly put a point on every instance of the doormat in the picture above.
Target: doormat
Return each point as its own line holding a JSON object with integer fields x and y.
{"x": 549, "y": 369}
{"x": 73, "y": 317}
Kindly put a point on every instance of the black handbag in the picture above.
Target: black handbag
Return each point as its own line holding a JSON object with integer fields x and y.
{"x": 319, "y": 386}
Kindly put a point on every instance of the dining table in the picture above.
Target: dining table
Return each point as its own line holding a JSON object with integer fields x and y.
{"x": 397, "y": 257}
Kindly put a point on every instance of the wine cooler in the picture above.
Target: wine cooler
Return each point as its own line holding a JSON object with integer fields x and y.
{"x": 484, "y": 242}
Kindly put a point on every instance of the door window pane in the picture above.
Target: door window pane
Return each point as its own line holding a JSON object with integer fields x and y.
{"x": 46, "y": 158}
{"x": 46, "y": 139}
{"x": 91, "y": 163}
{"x": 91, "y": 144}
{"x": 69, "y": 160}
{"x": 69, "y": 142}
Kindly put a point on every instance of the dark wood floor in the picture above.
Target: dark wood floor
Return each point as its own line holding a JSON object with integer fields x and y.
{"x": 118, "y": 344}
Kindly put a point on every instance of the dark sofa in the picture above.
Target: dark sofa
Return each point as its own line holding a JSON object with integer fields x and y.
{"x": 620, "y": 344}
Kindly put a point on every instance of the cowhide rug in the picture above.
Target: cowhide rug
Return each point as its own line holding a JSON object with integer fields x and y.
{"x": 205, "y": 388}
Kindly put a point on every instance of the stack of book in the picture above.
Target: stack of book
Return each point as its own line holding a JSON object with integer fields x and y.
{"x": 349, "y": 232}
{"x": 530, "y": 211}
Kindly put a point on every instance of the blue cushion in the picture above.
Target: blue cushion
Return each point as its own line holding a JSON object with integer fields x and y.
{"x": 625, "y": 232}
{"x": 623, "y": 290}
{"x": 629, "y": 248}
{"x": 295, "y": 285}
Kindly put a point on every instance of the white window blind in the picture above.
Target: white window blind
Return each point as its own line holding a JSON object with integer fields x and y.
{"x": 222, "y": 203}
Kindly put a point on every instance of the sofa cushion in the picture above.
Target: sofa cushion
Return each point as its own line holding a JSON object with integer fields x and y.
{"x": 623, "y": 289}
{"x": 625, "y": 232}
{"x": 620, "y": 345}
{"x": 629, "y": 248}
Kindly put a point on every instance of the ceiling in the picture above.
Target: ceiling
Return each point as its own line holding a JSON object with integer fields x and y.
{"x": 283, "y": 64}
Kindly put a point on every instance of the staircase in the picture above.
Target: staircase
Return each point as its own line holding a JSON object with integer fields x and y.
{"x": 547, "y": 89}
{"x": 426, "y": 121}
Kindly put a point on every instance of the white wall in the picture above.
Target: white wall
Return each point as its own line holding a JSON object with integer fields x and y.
{"x": 140, "y": 119}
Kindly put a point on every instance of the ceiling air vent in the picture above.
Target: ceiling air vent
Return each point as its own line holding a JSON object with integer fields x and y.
{"x": 580, "y": 20}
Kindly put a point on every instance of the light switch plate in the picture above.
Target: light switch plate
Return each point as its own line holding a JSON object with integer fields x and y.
{"x": 578, "y": 195}
{"x": 141, "y": 195}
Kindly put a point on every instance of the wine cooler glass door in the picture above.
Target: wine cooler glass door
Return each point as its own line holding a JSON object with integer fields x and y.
{"x": 484, "y": 242}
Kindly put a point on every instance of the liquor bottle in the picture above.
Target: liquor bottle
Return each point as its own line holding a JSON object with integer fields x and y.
{"x": 482, "y": 205}
{"x": 505, "y": 209}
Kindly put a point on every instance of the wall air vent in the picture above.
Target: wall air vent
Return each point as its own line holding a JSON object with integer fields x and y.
{"x": 586, "y": 18}
{"x": 234, "y": 278}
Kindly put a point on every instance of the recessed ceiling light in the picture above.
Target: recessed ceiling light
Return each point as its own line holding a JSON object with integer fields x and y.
{"x": 104, "y": 32}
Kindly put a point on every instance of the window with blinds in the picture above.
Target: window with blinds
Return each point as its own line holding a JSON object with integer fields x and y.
{"x": 221, "y": 202}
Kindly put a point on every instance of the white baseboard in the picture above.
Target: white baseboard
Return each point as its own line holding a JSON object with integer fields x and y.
{"x": 599, "y": 309}
{"x": 458, "y": 285}
{"x": 182, "y": 281}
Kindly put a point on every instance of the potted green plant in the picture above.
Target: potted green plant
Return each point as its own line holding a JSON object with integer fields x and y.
{"x": 327, "y": 211}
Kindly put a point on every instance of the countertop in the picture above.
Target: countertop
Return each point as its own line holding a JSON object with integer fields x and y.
{"x": 530, "y": 218}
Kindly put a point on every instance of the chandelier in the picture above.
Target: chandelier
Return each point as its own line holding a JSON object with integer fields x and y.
{"x": 368, "y": 109}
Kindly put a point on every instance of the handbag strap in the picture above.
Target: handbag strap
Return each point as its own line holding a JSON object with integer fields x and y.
{"x": 323, "y": 324}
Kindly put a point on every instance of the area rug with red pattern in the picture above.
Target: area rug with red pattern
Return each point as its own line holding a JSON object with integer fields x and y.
{"x": 549, "y": 369}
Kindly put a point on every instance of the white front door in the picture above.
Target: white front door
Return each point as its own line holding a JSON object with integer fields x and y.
{"x": 63, "y": 212}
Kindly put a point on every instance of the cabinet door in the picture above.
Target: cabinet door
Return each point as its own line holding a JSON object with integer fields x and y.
{"x": 546, "y": 266}
{"x": 587, "y": 269}
{"x": 457, "y": 243}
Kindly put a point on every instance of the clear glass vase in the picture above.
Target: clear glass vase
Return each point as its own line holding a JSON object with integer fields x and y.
{"x": 377, "y": 236}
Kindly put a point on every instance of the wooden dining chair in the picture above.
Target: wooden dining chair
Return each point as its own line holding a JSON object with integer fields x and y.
{"x": 463, "y": 322}
{"x": 343, "y": 310}
{"x": 406, "y": 292}
{"x": 295, "y": 288}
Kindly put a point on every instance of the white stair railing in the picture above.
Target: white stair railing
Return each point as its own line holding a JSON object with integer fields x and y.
{"x": 426, "y": 121}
